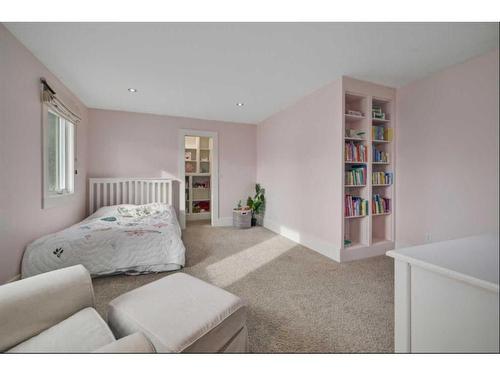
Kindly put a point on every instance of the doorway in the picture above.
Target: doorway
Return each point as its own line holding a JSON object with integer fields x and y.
{"x": 199, "y": 172}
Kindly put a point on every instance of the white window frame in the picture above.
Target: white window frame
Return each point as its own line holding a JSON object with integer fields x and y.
{"x": 54, "y": 199}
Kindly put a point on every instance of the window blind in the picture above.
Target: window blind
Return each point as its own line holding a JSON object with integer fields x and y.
{"x": 50, "y": 98}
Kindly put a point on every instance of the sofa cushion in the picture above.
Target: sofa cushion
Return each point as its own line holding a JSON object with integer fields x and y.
{"x": 179, "y": 313}
{"x": 30, "y": 306}
{"x": 134, "y": 343}
{"x": 82, "y": 332}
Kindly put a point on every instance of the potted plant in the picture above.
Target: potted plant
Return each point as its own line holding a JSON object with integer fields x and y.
{"x": 257, "y": 203}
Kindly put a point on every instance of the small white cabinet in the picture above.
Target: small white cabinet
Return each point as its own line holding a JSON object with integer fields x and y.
{"x": 446, "y": 296}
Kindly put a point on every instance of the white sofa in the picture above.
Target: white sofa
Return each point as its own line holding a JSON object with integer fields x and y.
{"x": 54, "y": 313}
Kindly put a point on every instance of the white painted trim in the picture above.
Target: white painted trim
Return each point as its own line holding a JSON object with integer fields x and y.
{"x": 158, "y": 187}
{"x": 54, "y": 200}
{"x": 224, "y": 222}
{"x": 361, "y": 252}
{"x": 311, "y": 242}
{"x": 214, "y": 183}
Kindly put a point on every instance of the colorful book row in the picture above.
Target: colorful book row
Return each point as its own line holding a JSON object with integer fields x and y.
{"x": 356, "y": 176}
{"x": 380, "y": 156}
{"x": 355, "y": 206}
{"x": 381, "y": 133}
{"x": 380, "y": 205}
{"x": 382, "y": 178}
{"x": 355, "y": 152}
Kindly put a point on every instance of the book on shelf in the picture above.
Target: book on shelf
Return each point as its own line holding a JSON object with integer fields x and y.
{"x": 356, "y": 175}
{"x": 382, "y": 178}
{"x": 355, "y": 206}
{"x": 381, "y": 133}
{"x": 380, "y": 156}
{"x": 355, "y": 152}
{"x": 380, "y": 205}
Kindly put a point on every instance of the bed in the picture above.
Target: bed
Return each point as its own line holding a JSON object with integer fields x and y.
{"x": 118, "y": 237}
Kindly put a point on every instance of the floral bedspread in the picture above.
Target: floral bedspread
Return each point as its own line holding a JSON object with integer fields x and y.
{"x": 116, "y": 239}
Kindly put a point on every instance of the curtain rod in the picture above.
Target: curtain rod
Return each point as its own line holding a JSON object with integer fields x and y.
{"x": 44, "y": 82}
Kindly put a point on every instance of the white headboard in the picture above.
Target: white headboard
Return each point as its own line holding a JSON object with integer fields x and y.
{"x": 112, "y": 191}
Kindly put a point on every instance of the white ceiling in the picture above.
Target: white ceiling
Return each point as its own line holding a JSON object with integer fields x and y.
{"x": 202, "y": 70}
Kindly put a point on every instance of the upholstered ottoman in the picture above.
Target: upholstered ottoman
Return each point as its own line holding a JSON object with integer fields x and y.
{"x": 180, "y": 313}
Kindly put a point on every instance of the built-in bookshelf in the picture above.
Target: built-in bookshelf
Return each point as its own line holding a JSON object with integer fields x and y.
{"x": 368, "y": 183}
{"x": 197, "y": 164}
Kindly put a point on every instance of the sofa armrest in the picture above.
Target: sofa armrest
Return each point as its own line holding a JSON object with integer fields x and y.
{"x": 30, "y": 306}
{"x": 134, "y": 343}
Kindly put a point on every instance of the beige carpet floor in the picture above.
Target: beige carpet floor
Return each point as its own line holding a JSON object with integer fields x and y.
{"x": 299, "y": 300}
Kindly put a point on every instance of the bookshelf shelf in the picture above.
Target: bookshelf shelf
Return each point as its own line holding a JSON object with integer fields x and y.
{"x": 356, "y": 216}
{"x": 371, "y": 234}
{"x": 354, "y": 117}
{"x": 354, "y": 139}
{"x": 355, "y": 246}
{"x": 380, "y": 121}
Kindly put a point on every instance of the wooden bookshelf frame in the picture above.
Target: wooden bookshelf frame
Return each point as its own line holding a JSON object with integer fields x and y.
{"x": 373, "y": 234}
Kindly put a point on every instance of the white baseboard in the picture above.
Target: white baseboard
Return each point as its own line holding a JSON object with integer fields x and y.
{"x": 304, "y": 239}
{"x": 223, "y": 222}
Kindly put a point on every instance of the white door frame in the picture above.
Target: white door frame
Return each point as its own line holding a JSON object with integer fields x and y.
{"x": 214, "y": 174}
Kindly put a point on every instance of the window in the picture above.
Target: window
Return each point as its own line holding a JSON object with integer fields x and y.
{"x": 59, "y": 150}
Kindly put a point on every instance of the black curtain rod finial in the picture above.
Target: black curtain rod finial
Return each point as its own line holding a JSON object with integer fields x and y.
{"x": 46, "y": 85}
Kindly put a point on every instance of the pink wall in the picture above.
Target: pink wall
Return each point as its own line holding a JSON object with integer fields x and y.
{"x": 298, "y": 154}
{"x": 447, "y": 149}
{"x": 22, "y": 218}
{"x": 125, "y": 144}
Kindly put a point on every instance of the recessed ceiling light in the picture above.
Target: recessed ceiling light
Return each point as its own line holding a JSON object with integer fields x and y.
{"x": 132, "y": 90}
{"x": 240, "y": 104}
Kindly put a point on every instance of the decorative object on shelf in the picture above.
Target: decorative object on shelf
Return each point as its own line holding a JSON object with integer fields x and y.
{"x": 204, "y": 167}
{"x": 202, "y": 184}
{"x": 201, "y": 206}
{"x": 257, "y": 203}
{"x": 354, "y": 113}
{"x": 377, "y": 112}
{"x": 190, "y": 167}
{"x": 187, "y": 156}
{"x": 355, "y": 133}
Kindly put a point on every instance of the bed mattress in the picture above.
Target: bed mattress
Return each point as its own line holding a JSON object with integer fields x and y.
{"x": 127, "y": 239}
